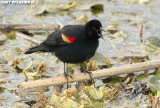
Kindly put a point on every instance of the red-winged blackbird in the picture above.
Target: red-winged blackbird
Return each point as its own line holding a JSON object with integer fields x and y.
{"x": 73, "y": 43}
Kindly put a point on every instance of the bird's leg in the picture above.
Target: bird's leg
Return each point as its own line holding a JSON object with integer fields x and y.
{"x": 86, "y": 71}
{"x": 65, "y": 74}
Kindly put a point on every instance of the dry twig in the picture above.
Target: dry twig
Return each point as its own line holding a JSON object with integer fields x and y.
{"x": 131, "y": 57}
{"x": 28, "y": 38}
{"x": 20, "y": 27}
{"x": 141, "y": 33}
{"x": 125, "y": 69}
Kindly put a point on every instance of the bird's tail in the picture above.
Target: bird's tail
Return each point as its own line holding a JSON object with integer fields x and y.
{"x": 36, "y": 48}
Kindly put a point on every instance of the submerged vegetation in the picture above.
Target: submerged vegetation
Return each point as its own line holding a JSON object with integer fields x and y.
{"x": 132, "y": 37}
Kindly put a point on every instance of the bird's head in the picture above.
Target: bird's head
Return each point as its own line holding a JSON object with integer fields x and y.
{"x": 93, "y": 29}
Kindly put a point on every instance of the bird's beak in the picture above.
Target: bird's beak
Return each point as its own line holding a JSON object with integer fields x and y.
{"x": 102, "y": 29}
{"x": 101, "y": 36}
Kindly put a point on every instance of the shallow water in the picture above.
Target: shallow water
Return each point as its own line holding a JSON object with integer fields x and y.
{"x": 127, "y": 16}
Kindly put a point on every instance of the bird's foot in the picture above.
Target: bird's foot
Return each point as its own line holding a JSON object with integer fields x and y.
{"x": 67, "y": 78}
{"x": 66, "y": 75}
{"x": 86, "y": 71}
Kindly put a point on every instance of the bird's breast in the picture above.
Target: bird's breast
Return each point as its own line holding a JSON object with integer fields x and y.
{"x": 76, "y": 53}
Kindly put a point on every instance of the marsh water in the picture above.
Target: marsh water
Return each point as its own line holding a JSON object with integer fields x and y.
{"x": 121, "y": 18}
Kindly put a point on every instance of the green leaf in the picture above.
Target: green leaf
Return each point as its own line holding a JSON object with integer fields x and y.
{"x": 154, "y": 83}
{"x": 154, "y": 41}
{"x": 99, "y": 58}
{"x": 25, "y": 65}
{"x": 94, "y": 93}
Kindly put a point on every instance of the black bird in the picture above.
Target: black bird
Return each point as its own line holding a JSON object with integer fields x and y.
{"x": 73, "y": 43}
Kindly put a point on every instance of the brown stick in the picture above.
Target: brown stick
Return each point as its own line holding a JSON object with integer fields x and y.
{"x": 28, "y": 38}
{"x": 141, "y": 33}
{"x": 20, "y": 27}
{"x": 125, "y": 69}
{"x": 131, "y": 57}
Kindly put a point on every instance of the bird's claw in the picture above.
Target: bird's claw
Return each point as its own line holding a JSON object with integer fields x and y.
{"x": 89, "y": 73}
{"x": 86, "y": 71}
{"x": 66, "y": 75}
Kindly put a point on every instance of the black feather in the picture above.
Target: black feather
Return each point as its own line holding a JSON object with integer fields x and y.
{"x": 38, "y": 48}
{"x": 86, "y": 41}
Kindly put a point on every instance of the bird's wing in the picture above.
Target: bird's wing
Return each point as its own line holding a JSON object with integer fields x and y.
{"x": 54, "y": 39}
{"x": 67, "y": 35}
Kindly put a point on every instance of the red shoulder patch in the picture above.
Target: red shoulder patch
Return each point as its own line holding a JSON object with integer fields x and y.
{"x": 71, "y": 39}
{"x": 68, "y": 39}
